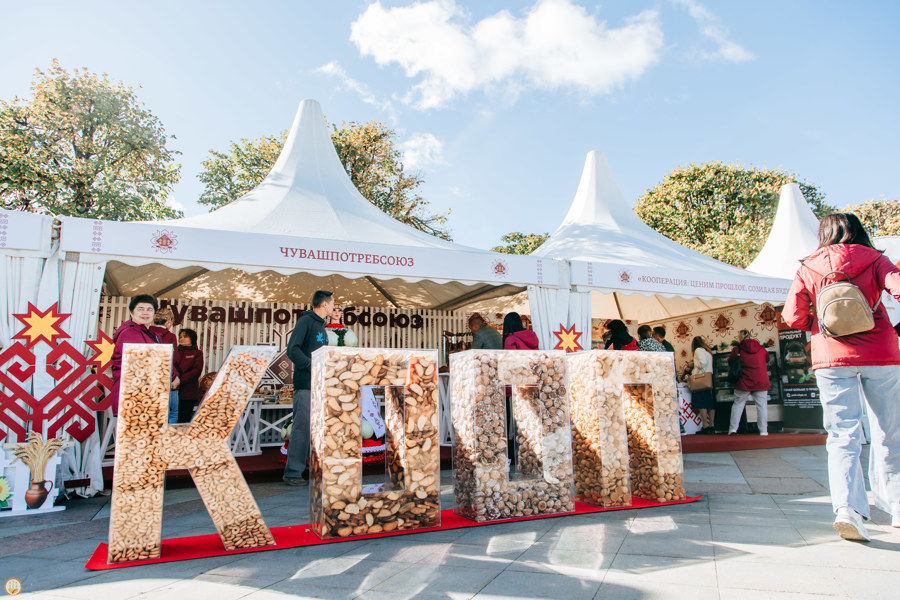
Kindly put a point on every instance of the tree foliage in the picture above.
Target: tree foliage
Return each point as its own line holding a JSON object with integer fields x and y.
{"x": 722, "y": 211}
{"x": 368, "y": 154}
{"x": 85, "y": 146}
{"x": 521, "y": 243}
{"x": 880, "y": 217}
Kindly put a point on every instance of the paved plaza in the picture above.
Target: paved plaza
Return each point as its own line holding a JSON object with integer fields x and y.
{"x": 763, "y": 530}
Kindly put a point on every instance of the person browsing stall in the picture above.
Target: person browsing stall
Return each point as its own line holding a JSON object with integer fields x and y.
{"x": 648, "y": 343}
{"x": 702, "y": 401}
{"x": 308, "y": 336}
{"x": 484, "y": 337}
{"x": 620, "y": 339}
{"x": 190, "y": 365}
{"x": 754, "y": 381}
{"x": 515, "y": 336}
{"x": 659, "y": 334}
{"x": 163, "y": 321}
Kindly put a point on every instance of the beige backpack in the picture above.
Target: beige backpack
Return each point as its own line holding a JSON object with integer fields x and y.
{"x": 842, "y": 309}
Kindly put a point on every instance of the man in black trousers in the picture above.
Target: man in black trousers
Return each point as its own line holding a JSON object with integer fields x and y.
{"x": 307, "y": 337}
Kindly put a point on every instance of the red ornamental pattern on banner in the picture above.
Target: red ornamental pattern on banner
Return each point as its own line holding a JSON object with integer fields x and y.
{"x": 78, "y": 381}
{"x": 766, "y": 316}
{"x": 164, "y": 241}
{"x": 722, "y": 324}
{"x": 683, "y": 330}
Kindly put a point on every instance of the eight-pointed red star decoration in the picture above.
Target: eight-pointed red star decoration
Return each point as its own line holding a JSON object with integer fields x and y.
{"x": 568, "y": 339}
{"x": 41, "y": 325}
{"x": 103, "y": 348}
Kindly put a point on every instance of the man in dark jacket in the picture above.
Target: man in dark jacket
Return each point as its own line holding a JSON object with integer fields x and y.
{"x": 659, "y": 334}
{"x": 308, "y": 336}
{"x": 754, "y": 381}
{"x": 484, "y": 337}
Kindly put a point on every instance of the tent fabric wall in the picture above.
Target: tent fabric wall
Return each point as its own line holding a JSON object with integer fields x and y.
{"x": 20, "y": 276}
{"x": 79, "y": 295}
{"x": 24, "y": 246}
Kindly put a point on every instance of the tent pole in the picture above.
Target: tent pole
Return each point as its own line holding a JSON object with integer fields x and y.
{"x": 180, "y": 282}
{"x": 383, "y": 291}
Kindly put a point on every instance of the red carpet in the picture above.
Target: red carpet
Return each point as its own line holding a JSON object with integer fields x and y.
{"x": 203, "y": 546}
{"x": 692, "y": 444}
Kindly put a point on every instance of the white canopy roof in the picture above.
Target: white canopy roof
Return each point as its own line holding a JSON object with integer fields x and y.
{"x": 632, "y": 271}
{"x": 794, "y": 236}
{"x": 305, "y": 227}
{"x": 639, "y": 273}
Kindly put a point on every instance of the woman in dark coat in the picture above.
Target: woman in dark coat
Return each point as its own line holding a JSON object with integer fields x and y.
{"x": 191, "y": 368}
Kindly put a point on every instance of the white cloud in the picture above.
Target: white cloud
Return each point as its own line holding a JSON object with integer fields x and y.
{"x": 712, "y": 28}
{"x": 555, "y": 45}
{"x": 171, "y": 202}
{"x": 421, "y": 151}
{"x": 334, "y": 69}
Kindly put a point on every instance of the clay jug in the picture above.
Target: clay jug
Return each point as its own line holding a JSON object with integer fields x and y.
{"x": 37, "y": 493}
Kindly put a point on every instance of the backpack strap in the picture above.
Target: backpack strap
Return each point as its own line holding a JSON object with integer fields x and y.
{"x": 849, "y": 280}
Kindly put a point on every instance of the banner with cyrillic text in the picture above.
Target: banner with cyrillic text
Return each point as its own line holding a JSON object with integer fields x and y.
{"x": 163, "y": 242}
{"x": 703, "y": 284}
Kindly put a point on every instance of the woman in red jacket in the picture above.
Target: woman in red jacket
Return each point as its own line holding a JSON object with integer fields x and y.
{"x": 754, "y": 381}
{"x": 870, "y": 359}
{"x": 515, "y": 336}
{"x": 190, "y": 365}
{"x": 136, "y": 330}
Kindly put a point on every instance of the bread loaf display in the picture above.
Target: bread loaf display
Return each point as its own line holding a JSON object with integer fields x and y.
{"x": 146, "y": 445}
{"x": 540, "y": 409}
{"x": 410, "y": 498}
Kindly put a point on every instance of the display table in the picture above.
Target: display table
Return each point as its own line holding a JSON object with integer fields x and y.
{"x": 690, "y": 420}
{"x": 244, "y": 438}
{"x": 272, "y": 418}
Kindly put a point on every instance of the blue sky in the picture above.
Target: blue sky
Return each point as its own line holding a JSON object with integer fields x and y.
{"x": 497, "y": 103}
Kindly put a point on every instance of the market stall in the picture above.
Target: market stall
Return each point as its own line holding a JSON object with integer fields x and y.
{"x": 248, "y": 268}
{"x": 622, "y": 269}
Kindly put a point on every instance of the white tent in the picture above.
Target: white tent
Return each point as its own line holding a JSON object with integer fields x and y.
{"x": 622, "y": 268}
{"x": 305, "y": 227}
{"x": 794, "y": 235}
{"x": 24, "y": 248}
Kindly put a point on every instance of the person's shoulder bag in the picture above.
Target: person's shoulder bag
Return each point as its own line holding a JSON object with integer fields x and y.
{"x": 735, "y": 369}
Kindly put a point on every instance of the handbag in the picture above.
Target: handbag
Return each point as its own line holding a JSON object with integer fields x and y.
{"x": 735, "y": 369}
{"x": 699, "y": 382}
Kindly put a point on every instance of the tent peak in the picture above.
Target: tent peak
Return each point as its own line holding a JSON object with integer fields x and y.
{"x": 309, "y": 194}
{"x": 794, "y": 235}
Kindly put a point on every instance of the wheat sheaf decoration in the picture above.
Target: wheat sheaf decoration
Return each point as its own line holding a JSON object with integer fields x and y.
{"x": 35, "y": 453}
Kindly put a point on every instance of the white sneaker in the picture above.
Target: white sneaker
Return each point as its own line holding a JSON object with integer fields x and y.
{"x": 895, "y": 520}
{"x": 763, "y": 433}
{"x": 849, "y": 524}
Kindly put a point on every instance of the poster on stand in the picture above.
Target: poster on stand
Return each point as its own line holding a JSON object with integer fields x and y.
{"x": 802, "y": 409}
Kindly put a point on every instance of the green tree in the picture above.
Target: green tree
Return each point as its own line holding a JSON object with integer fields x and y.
{"x": 880, "y": 217}
{"x": 85, "y": 146}
{"x": 722, "y": 211}
{"x": 368, "y": 154}
{"x": 521, "y": 243}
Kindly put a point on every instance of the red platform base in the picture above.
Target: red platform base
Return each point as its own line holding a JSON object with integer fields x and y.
{"x": 204, "y": 546}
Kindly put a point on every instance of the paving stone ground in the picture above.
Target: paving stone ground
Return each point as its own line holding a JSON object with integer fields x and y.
{"x": 763, "y": 530}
